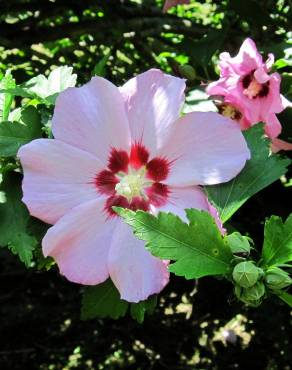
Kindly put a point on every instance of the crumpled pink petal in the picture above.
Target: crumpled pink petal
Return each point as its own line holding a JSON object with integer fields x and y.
{"x": 278, "y": 144}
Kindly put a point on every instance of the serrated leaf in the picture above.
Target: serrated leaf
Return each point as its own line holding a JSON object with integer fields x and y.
{"x": 23, "y": 245}
{"x": 15, "y": 134}
{"x": 260, "y": 171}
{"x": 277, "y": 248}
{"x": 197, "y": 248}
{"x": 14, "y": 219}
{"x": 6, "y": 99}
{"x": 286, "y": 297}
{"x": 103, "y": 301}
{"x": 138, "y": 310}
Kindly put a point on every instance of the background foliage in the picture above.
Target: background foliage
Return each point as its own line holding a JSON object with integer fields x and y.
{"x": 194, "y": 325}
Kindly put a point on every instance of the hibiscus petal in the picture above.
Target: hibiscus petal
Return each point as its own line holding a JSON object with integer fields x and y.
{"x": 134, "y": 271}
{"x": 204, "y": 148}
{"x": 57, "y": 177}
{"x": 153, "y": 101}
{"x": 80, "y": 242}
{"x": 247, "y": 59}
{"x": 92, "y": 118}
{"x": 188, "y": 197}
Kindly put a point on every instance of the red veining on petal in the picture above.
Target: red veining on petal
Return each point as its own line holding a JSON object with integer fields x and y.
{"x": 158, "y": 169}
{"x": 115, "y": 201}
{"x": 118, "y": 161}
{"x": 139, "y": 203}
{"x": 105, "y": 182}
{"x": 157, "y": 194}
{"x": 139, "y": 155}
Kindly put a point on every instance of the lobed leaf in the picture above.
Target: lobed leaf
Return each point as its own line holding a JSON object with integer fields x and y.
{"x": 197, "y": 248}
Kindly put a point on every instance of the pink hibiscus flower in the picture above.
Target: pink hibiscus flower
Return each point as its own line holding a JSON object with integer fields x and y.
{"x": 170, "y": 3}
{"x": 123, "y": 147}
{"x": 251, "y": 94}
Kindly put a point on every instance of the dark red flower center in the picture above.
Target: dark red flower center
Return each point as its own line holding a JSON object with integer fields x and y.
{"x": 252, "y": 88}
{"x": 133, "y": 180}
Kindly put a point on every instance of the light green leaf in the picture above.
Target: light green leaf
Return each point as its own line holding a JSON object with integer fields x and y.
{"x": 260, "y": 171}
{"x": 277, "y": 248}
{"x": 198, "y": 249}
{"x": 286, "y": 297}
{"x": 14, "y": 220}
{"x": 15, "y": 134}
{"x": 6, "y": 99}
{"x": 102, "y": 301}
{"x": 48, "y": 88}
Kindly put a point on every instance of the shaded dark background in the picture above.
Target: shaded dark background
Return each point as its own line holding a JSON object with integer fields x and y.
{"x": 196, "y": 325}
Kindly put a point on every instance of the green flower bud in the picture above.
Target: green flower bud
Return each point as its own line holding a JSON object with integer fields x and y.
{"x": 242, "y": 295}
{"x": 254, "y": 293}
{"x": 238, "y": 244}
{"x": 246, "y": 274}
{"x": 187, "y": 72}
{"x": 277, "y": 279}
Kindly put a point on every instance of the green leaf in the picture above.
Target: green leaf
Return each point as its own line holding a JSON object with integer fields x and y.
{"x": 100, "y": 67}
{"x": 138, "y": 310}
{"x": 102, "y": 301}
{"x": 198, "y": 248}
{"x": 6, "y": 99}
{"x": 277, "y": 248}
{"x": 260, "y": 171}
{"x": 286, "y": 297}
{"x": 15, "y": 134}
{"x": 14, "y": 219}
{"x": 23, "y": 245}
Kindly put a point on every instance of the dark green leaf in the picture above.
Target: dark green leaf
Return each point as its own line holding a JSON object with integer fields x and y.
{"x": 198, "y": 249}
{"x": 138, "y": 310}
{"x": 102, "y": 301}
{"x": 15, "y": 134}
{"x": 286, "y": 297}
{"x": 14, "y": 220}
{"x": 100, "y": 67}
{"x": 260, "y": 171}
{"x": 277, "y": 247}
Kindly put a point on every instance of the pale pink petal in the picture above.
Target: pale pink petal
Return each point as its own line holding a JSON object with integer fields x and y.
{"x": 57, "y": 177}
{"x": 92, "y": 118}
{"x": 170, "y": 3}
{"x": 153, "y": 101}
{"x": 273, "y": 102}
{"x": 206, "y": 149}
{"x": 134, "y": 271}
{"x": 80, "y": 242}
{"x": 181, "y": 198}
{"x": 285, "y": 102}
{"x": 278, "y": 144}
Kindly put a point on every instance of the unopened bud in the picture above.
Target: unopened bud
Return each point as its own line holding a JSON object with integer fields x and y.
{"x": 238, "y": 244}
{"x": 277, "y": 279}
{"x": 246, "y": 274}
